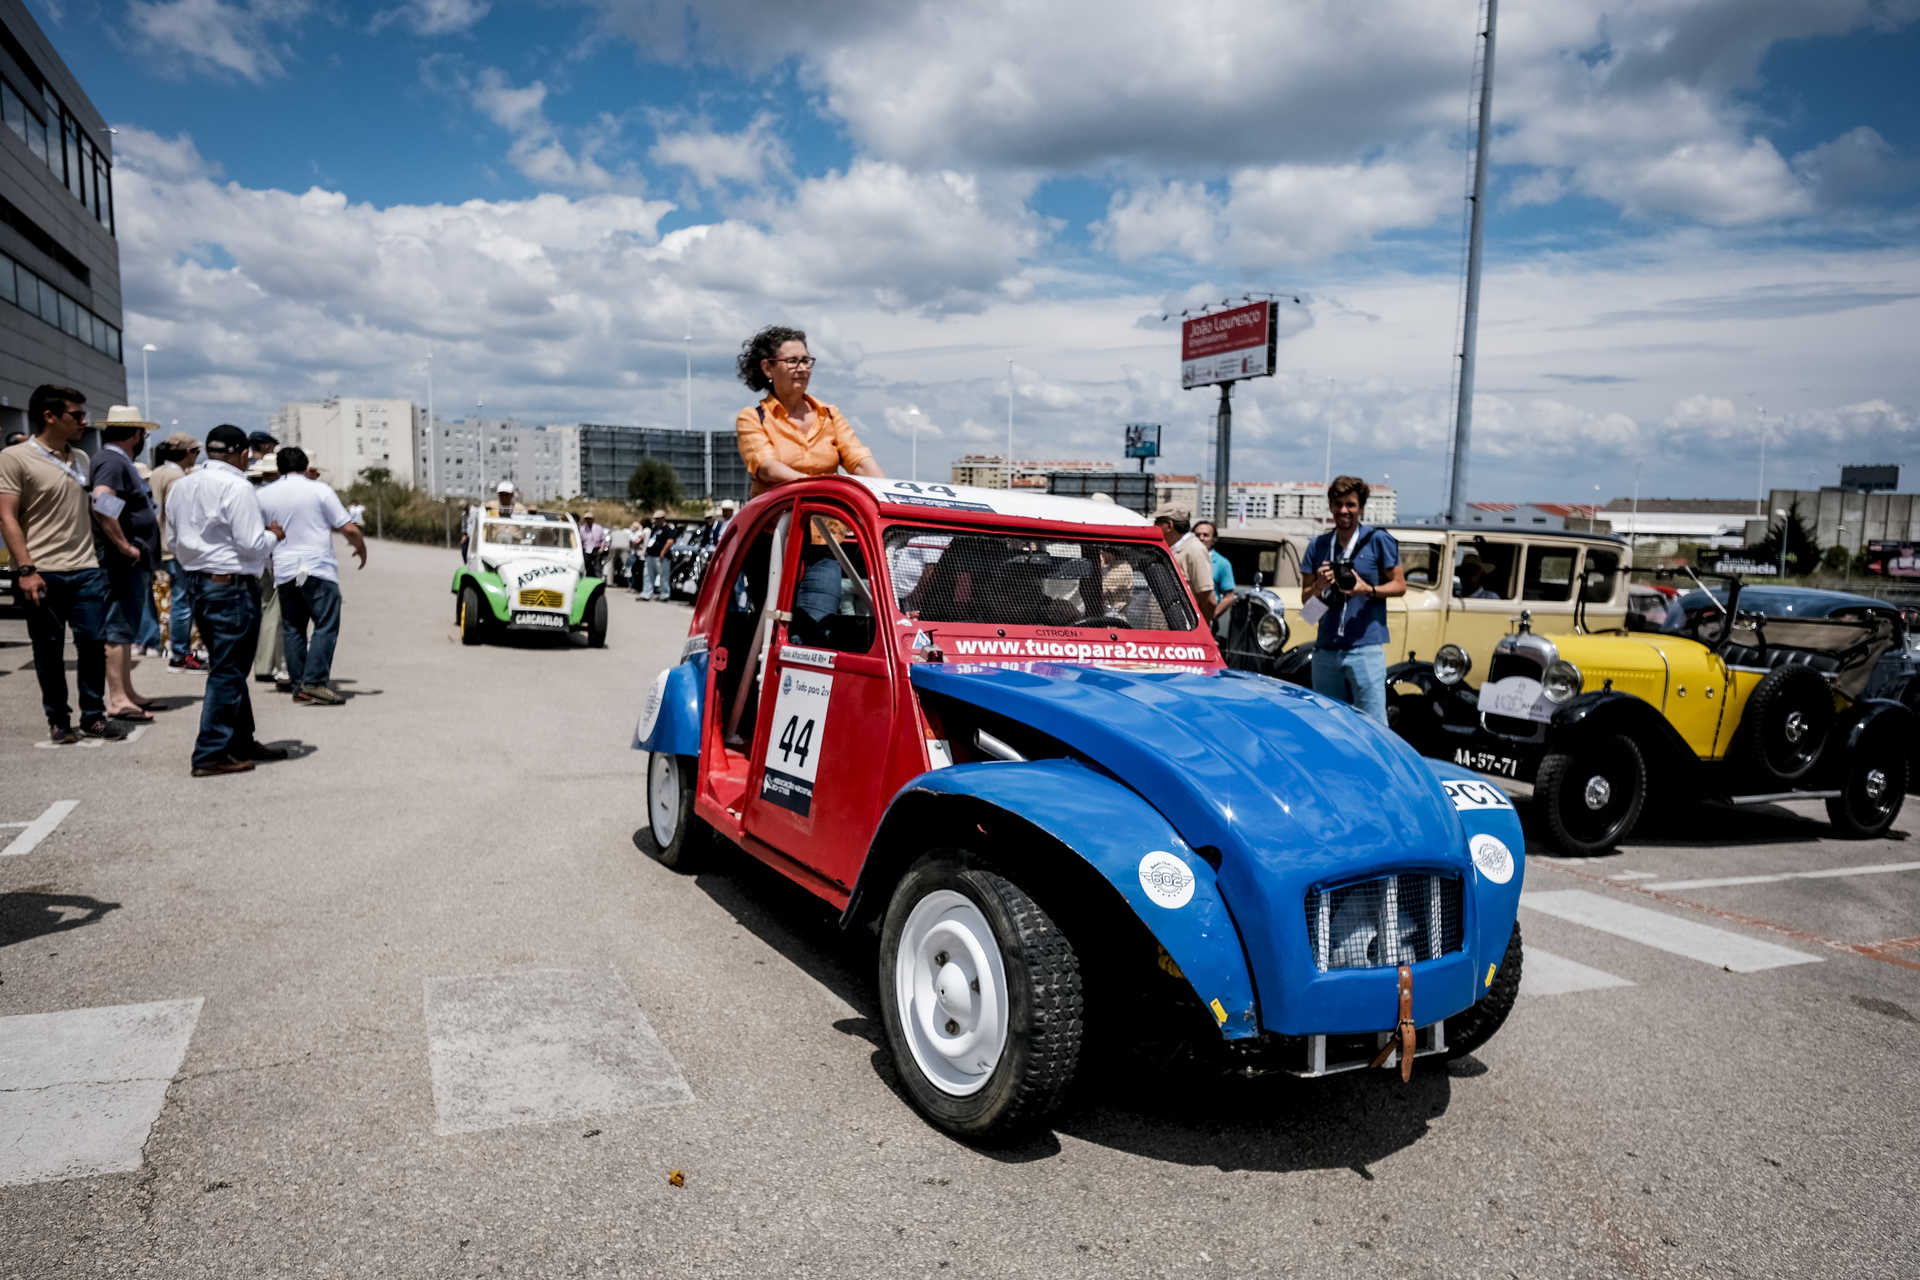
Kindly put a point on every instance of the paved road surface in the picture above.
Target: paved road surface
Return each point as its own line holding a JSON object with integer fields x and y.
{"x": 415, "y": 1003}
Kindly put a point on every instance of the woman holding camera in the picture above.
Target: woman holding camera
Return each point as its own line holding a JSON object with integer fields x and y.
{"x": 1352, "y": 571}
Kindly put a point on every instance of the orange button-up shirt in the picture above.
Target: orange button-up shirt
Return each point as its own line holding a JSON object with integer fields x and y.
{"x": 767, "y": 431}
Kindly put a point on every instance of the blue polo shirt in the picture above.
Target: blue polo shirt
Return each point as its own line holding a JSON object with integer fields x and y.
{"x": 1350, "y": 623}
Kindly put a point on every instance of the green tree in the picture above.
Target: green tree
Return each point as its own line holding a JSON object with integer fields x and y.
{"x": 1835, "y": 558}
{"x": 654, "y": 484}
{"x": 1803, "y": 552}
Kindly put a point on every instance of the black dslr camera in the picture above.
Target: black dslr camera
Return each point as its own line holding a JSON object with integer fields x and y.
{"x": 1344, "y": 577}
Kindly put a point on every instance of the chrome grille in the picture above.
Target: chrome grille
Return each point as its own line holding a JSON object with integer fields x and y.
{"x": 1385, "y": 923}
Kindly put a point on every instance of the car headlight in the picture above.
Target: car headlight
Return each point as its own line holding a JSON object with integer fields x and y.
{"x": 1270, "y": 633}
{"x": 1561, "y": 681}
{"x": 1451, "y": 664}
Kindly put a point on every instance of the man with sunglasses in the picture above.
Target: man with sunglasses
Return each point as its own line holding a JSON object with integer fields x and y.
{"x": 47, "y": 519}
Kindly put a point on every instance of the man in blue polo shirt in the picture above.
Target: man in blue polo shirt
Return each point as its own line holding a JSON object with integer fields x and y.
{"x": 1351, "y": 572}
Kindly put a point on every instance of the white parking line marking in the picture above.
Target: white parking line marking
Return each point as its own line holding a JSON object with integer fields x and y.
{"x": 1543, "y": 973}
{"x": 80, "y": 1089}
{"x": 1632, "y": 875}
{"x": 542, "y": 1045}
{"x": 1726, "y": 881}
{"x": 39, "y": 829}
{"x": 1663, "y": 932}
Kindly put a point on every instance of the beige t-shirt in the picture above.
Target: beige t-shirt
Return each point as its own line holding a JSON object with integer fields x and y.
{"x": 1196, "y": 564}
{"x": 160, "y": 481}
{"x": 55, "y": 510}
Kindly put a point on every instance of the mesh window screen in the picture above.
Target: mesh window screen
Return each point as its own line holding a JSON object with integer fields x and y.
{"x": 1024, "y": 580}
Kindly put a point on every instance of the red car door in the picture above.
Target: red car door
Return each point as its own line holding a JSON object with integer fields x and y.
{"x": 816, "y": 788}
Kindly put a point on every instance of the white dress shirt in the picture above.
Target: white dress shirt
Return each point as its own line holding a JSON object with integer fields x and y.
{"x": 309, "y": 511}
{"x": 214, "y": 523}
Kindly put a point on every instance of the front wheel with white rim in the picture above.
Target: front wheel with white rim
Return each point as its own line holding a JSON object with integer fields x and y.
{"x": 679, "y": 837}
{"x": 981, "y": 999}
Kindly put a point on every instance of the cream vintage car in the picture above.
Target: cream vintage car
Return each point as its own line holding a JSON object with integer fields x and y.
{"x": 1465, "y": 586}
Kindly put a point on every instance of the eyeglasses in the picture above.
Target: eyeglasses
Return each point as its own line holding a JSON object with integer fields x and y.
{"x": 796, "y": 363}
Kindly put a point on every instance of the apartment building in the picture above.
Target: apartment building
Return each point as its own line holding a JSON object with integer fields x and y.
{"x": 347, "y": 436}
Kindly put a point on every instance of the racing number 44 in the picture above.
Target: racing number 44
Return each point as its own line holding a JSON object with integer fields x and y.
{"x": 796, "y": 739}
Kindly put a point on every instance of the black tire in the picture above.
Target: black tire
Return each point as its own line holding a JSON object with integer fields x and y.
{"x": 682, "y": 842}
{"x": 1473, "y": 1027}
{"x": 597, "y": 621}
{"x": 1044, "y": 1000}
{"x": 1786, "y": 722}
{"x": 472, "y": 615}
{"x": 1592, "y": 795}
{"x": 1872, "y": 789}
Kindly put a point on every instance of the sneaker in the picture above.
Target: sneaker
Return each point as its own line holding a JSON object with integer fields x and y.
{"x": 319, "y": 693}
{"x": 61, "y": 735}
{"x": 219, "y": 767}
{"x": 103, "y": 728}
{"x": 188, "y": 663}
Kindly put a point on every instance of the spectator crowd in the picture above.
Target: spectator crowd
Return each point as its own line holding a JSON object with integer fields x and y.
{"x": 232, "y": 539}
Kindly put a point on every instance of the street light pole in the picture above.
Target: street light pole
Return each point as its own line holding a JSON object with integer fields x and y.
{"x": 1009, "y": 424}
{"x": 146, "y": 392}
{"x": 914, "y": 413}
{"x": 1783, "y": 540}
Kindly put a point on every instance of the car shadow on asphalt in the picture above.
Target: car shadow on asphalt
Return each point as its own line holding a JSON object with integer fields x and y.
{"x": 1710, "y": 826}
{"x": 27, "y": 914}
{"x": 1141, "y": 1098}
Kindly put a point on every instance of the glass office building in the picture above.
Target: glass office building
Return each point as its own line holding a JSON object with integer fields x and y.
{"x": 60, "y": 314}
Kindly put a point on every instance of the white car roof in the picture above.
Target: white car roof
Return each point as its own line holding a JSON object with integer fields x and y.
{"x": 935, "y": 495}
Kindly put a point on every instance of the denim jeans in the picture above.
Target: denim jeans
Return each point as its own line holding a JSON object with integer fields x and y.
{"x": 315, "y": 603}
{"x": 1357, "y": 675}
{"x": 817, "y": 597}
{"x": 657, "y": 581}
{"x": 76, "y": 599}
{"x": 179, "y": 614}
{"x": 229, "y": 615}
{"x": 128, "y": 585}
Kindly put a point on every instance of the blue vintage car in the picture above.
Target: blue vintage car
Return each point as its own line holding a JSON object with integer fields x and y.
{"x": 993, "y": 726}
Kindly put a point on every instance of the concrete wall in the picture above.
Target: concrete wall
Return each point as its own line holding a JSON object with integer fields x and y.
{"x": 1838, "y": 518}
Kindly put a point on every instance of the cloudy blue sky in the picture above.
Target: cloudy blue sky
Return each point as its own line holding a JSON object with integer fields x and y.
{"x": 1702, "y": 219}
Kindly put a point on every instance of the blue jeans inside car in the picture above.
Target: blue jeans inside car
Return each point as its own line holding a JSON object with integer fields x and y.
{"x": 1357, "y": 675}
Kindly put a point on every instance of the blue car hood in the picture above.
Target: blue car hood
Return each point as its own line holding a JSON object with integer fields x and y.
{"x": 1242, "y": 763}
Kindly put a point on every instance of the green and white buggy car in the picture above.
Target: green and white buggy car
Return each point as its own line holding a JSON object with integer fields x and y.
{"x": 525, "y": 572}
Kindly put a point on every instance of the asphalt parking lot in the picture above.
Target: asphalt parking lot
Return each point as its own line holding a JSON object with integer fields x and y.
{"x": 415, "y": 1002}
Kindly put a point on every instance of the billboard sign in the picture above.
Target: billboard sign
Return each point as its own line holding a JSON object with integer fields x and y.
{"x": 1880, "y": 479}
{"x": 1143, "y": 440}
{"x": 1225, "y": 346}
{"x": 1894, "y": 559}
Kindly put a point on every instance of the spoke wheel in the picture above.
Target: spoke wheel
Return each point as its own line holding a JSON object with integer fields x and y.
{"x": 679, "y": 838}
{"x": 1872, "y": 791}
{"x": 1592, "y": 796}
{"x": 981, "y": 1000}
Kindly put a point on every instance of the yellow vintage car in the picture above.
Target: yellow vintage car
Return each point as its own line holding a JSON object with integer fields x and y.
{"x": 1718, "y": 704}
{"x": 1465, "y": 586}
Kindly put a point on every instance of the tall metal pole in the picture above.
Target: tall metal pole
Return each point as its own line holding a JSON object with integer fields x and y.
{"x": 1760, "y": 497}
{"x": 1009, "y": 425}
{"x": 1469, "y": 335}
{"x": 146, "y": 394}
{"x": 1222, "y": 451}
{"x": 1329, "y": 431}
{"x": 431, "y": 481}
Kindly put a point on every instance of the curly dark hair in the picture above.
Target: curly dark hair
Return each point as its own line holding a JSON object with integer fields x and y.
{"x": 761, "y": 346}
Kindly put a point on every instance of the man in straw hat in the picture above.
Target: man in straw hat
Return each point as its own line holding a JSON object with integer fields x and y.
{"x": 47, "y": 520}
{"x": 127, "y": 538}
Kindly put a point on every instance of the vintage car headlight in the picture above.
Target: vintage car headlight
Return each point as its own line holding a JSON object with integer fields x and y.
{"x": 1561, "y": 681}
{"x": 1451, "y": 664}
{"x": 1270, "y": 633}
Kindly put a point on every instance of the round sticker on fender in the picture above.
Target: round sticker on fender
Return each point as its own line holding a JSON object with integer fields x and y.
{"x": 651, "y": 713}
{"x": 1167, "y": 880}
{"x": 1493, "y": 858}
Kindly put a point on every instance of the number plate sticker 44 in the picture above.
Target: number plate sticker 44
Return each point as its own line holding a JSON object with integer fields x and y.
{"x": 798, "y": 738}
